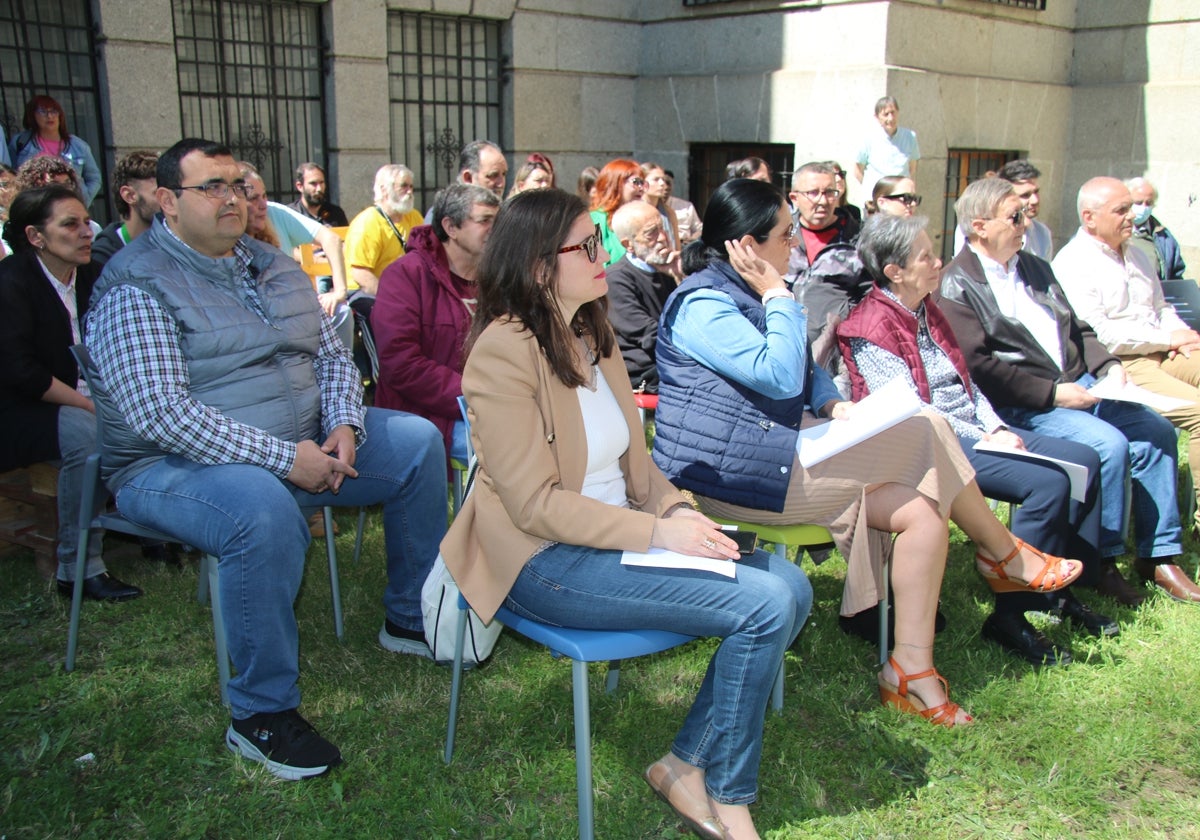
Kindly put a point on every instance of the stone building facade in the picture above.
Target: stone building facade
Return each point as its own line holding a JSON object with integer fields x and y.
{"x": 1081, "y": 87}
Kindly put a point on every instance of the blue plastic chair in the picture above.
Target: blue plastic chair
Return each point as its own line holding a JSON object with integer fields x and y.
{"x": 581, "y": 647}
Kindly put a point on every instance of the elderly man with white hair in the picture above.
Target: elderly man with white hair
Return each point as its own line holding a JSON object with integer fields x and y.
{"x": 1113, "y": 287}
{"x": 638, "y": 287}
{"x": 1149, "y": 234}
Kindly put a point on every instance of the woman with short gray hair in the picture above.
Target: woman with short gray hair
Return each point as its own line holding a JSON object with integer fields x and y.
{"x": 898, "y": 332}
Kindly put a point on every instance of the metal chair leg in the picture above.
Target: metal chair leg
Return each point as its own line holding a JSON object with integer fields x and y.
{"x": 335, "y": 588}
{"x": 583, "y": 748}
{"x": 456, "y": 682}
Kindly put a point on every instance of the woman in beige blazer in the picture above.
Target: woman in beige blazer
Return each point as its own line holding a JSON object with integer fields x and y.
{"x": 565, "y": 485}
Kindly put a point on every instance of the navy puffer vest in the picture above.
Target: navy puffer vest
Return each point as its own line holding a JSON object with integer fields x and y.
{"x": 715, "y": 436}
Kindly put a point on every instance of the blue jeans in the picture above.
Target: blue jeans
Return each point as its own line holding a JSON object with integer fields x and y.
{"x": 1129, "y": 438}
{"x": 76, "y": 441}
{"x": 757, "y": 616}
{"x": 252, "y": 522}
{"x": 458, "y": 448}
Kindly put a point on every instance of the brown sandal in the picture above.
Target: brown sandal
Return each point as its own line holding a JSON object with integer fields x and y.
{"x": 899, "y": 697}
{"x": 1049, "y": 579}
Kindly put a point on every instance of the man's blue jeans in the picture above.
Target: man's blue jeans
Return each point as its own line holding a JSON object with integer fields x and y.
{"x": 757, "y": 616}
{"x": 1128, "y": 438}
{"x": 252, "y": 522}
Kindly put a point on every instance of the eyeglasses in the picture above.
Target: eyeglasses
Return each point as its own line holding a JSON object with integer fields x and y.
{"x": 907, "y": 199}
{"x": 637, "y": 182}
{"x": 47, "y": 112}
{"x": 219, "y": 190}
{"x": 790, "y": 232}
{"x": 814, "y": 196}
{"x": 1016, "y": 219}
{"x": 591, "y": 245}
{"x": 252, "y": 194}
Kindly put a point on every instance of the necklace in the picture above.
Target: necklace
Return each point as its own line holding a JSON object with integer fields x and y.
{"x": 590, "y": 355}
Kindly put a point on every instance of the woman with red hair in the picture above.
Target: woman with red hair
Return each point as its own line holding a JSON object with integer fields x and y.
{"x": 46, "y": 134}
{"x": 619, "y": 182}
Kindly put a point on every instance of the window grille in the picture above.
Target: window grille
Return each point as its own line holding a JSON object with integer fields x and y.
{"x": 962, "y": 167}
{"x": 50, "y": 48}
{"x": 445, "y": 76}
{"x": 251, "y": 76}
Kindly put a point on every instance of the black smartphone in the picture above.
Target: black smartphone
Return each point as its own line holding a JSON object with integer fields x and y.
{"x": 746, "y": 541}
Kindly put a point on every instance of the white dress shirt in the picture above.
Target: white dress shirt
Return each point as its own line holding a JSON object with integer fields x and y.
{"x": 1118, "y": 294}
{"x": 1014, "y": 301}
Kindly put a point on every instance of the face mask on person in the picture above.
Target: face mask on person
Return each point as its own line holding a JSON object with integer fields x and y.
{"x": 1141, "y": 213}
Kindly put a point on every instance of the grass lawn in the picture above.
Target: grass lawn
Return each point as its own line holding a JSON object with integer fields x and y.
{"x": 1105, "y": 748}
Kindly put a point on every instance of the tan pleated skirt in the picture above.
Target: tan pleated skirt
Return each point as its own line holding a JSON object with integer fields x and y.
{"x": 922, "y": 453}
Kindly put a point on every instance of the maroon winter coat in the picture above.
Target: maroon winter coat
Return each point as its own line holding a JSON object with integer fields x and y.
{"x": 420, "y": 324}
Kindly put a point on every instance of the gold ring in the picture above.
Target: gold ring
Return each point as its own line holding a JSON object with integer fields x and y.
{"x": 710, "y": 543}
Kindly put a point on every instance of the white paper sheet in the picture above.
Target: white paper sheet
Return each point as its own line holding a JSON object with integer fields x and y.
{"x": 880, "y": 410}
{"x": 1077, "y": 473}
{"x": 663, "y": 559}
{"x": 1108, "y": 389}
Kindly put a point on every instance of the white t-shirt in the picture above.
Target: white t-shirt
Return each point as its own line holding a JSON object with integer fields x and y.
{"x": 607, "y": 440}
{"x": 882, "y": 155}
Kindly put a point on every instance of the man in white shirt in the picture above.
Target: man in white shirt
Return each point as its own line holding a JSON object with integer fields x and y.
{"x": 1113, "y": 287}
{"x": 888, "y": 149}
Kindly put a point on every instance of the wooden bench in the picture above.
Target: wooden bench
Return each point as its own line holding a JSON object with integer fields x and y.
{"x": 29, "y": 513}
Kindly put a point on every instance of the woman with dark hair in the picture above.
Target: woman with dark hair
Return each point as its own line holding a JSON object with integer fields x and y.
{"x": 619, "y": 182}
{"x": 895, "y": 195}
{"x": 45, "y": 411}
{"x": 899, "y": 332}
{"x": 565, "y": 485}
{"x": 536, "y": 173}
{"x": 736, "y": 388}
{"x": 46, "y": 134}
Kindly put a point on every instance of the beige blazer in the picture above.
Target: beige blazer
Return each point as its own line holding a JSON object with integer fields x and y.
{"x": 529, "y": 436}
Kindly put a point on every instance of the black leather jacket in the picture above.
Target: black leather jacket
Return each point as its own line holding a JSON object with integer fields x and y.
{"x": 1004, "y": 358}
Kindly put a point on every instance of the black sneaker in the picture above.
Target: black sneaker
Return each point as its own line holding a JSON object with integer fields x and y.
{"x": 285, "y": 742}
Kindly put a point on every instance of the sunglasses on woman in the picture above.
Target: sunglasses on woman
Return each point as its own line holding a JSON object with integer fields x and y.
{"x": 591, "y": 245}
{"x": 907, "y": 199}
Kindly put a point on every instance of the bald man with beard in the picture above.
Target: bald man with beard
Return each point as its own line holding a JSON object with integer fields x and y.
{"x": 637, "y": 289}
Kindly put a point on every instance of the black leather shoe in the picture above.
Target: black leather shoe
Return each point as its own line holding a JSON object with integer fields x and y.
{"x": 1114, "y": 585}
{"x": 1081, "y": 615}
{"x": 102, "y": 587}
{"x": 1014, "y": 633}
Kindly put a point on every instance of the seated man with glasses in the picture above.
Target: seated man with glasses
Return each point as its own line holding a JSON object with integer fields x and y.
{"x": 230, "y": 406}
{"x": 1034, "y": 359}
{"x": 824, "y": 270}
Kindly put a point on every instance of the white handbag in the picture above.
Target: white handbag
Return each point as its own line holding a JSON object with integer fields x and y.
{"x": 439, "y": 608}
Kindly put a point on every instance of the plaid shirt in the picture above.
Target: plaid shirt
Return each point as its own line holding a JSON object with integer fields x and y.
{"x": 136, "y": 345}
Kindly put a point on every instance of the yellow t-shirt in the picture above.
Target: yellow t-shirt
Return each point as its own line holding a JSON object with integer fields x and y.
{"x": 371, "y": 243}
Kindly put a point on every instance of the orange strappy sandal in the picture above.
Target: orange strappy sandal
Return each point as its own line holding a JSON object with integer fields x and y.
{"x": 899, "y": 697}
{"x": 1049, "y": 579}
